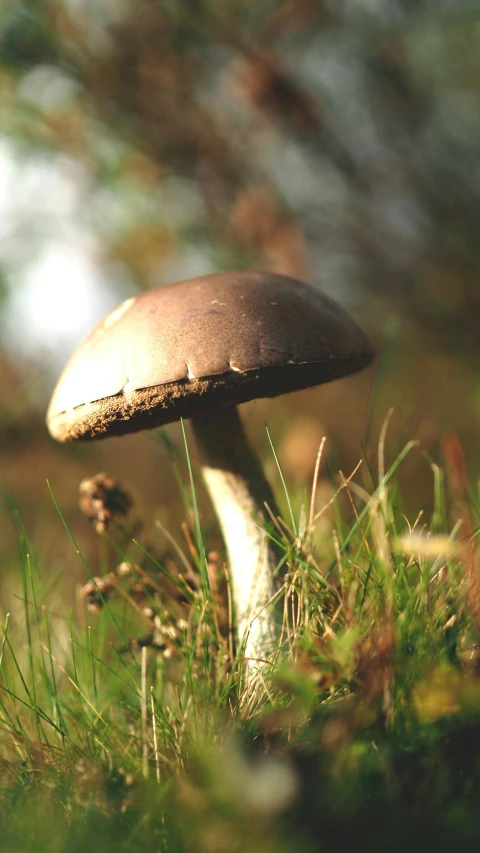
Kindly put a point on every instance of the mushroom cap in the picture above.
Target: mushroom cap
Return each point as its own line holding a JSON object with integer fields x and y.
{"x": 186, "y": 347}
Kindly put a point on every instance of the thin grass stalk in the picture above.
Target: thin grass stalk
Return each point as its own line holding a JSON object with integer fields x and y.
{"x": 155, "y": 738}
{"x": 143, "y": 700}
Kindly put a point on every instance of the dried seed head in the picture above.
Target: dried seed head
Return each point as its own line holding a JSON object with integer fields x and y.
{"x": 103, "y": 500}
{"x": 97, "y": 591}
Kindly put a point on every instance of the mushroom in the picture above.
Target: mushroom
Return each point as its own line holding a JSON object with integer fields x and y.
{"x": 196, "y": 349}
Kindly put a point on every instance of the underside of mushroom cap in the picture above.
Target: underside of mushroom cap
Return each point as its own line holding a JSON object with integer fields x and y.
{"x": 152, "y": 407}
{"x": 220, "y": 339}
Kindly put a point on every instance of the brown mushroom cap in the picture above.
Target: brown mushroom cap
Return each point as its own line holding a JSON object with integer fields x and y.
{"x": 181, "y": 349}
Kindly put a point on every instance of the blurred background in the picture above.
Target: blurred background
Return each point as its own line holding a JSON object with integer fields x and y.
{"x": 332, "y": 140}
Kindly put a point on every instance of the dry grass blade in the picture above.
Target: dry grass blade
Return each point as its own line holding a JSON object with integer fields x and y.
{"x": 334, "y": 497}
{"x": 313, "y": 494}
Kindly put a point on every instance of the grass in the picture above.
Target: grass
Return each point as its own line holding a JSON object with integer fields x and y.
{"x": 127, "y": 725}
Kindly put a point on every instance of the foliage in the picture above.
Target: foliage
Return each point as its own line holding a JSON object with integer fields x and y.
{"x": 333, "y": 141}
{"x": 364, "y": 732}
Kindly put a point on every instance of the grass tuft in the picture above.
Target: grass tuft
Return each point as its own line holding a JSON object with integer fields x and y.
{"x": 124, "y": 723}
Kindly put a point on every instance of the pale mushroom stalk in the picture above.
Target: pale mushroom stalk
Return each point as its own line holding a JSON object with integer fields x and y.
{"x": 239, "y": 491}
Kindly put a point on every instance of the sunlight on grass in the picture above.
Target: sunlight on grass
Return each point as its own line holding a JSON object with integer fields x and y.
{"x": 126, "y": 722}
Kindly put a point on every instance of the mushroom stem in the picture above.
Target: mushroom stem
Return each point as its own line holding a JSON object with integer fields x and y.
{"x": 239, "y": 490}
